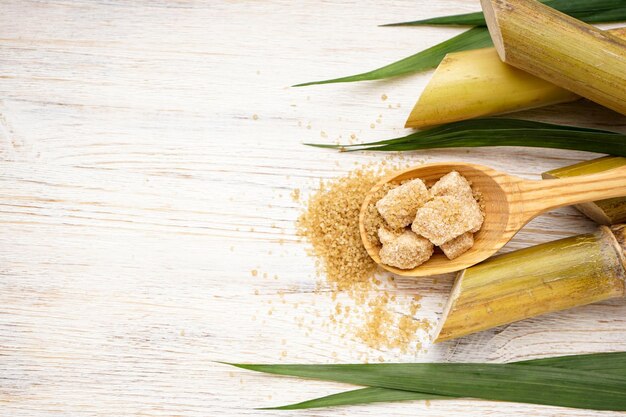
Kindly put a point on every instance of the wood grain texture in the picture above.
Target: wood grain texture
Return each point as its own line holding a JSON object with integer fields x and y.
{"x": 149, "y": 150}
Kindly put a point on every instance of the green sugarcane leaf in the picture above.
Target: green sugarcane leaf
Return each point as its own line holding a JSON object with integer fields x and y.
{"x": 610, "y": 363}
{"x": 604, "y": 362}
{"x": 614, "y": 15}
{"x": 544, "y": 385}
{"x": 495, "y": 123}
{"x": 591, "y": 11}
{"x": 474, "y": 38}
{"x": 361, "y": 396}
{"x": 499, "y": 132}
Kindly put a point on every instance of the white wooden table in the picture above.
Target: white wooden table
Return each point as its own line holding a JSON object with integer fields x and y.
{"x": 149, "y": 150}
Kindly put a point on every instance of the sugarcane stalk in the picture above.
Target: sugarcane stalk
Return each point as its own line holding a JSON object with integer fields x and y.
{"x": 541, "y": 279}
{"x": 560, "y": 49}
{"x": 610, "y": 211}
{"x": 477, "y": 83}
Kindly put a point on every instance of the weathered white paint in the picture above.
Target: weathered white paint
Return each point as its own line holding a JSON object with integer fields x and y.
{"x": 138, "y": 192}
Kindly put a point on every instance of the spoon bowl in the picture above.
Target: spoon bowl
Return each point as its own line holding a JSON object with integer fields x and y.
{"x": 509, "y": 202}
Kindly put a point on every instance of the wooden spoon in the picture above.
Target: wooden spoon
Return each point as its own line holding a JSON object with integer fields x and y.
{"x": 509, "y": 203}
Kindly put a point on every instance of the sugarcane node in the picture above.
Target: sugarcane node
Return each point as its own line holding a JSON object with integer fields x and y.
{"x": 508, "y": 203}
{"x": 619, "y": 232}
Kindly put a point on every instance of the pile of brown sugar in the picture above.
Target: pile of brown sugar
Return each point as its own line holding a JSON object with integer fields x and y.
{"x": 330, "y": 223}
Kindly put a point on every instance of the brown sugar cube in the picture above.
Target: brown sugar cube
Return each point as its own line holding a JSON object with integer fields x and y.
{"x": 458, "y": 246}
{"x": 406, "y": 251}
{"x": 452, "y": 184}
{"x": 386, "y": 235}
{"x": 399, "y": 206}
{"x": 443, "y": 218}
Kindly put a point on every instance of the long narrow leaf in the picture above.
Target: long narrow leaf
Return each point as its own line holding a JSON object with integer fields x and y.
{"x": 494, "y": 123}
{"x": 498, "y": 382}
{"x": 606, "y": 362}
{"x": 474, "y": 38}
{"x": 614, "y": 15}
{"x": 610, "y": 363}
{"x": 362, "y": 396}
{"x": 591, "y": 11}
{"x": 499, "y": 132}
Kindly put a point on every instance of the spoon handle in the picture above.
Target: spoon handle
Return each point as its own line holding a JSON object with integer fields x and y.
{"x": 541, "y": 196}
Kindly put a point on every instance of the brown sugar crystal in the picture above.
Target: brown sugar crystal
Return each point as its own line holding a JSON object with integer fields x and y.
{"x": 452, "y": 184}
{"x": 445, "y": 217}
{"x": 458, "y": 246}
{"x": 400, "y": 205}
{"x": 405, "y": 251}
{"x": 386, "y": 235}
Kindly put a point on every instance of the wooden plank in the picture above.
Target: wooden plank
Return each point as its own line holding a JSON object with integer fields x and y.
{"x": 149, "y": 151}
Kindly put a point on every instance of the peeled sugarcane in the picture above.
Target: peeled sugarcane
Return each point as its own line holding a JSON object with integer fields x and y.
{"x": 609, "y": 211}
{"x": 541, "y": 279}
{"x": 477, "y": 83}
{"x": 560, "y": 49}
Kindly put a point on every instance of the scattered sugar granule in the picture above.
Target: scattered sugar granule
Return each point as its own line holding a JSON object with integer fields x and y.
{"x": 400, "y": 205}
{"x": 445, "y": 217}
{"x": 372, "y": 125}
{"x": 384, "y": 97}
{"x": 255, "y": 117}
{"x": 453, "y": 184}
{"x": 295, "y": 194}
{"x": 406, "y": 251}
{"x": 254, "y": 272}
{"x": 458, "y": 246}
